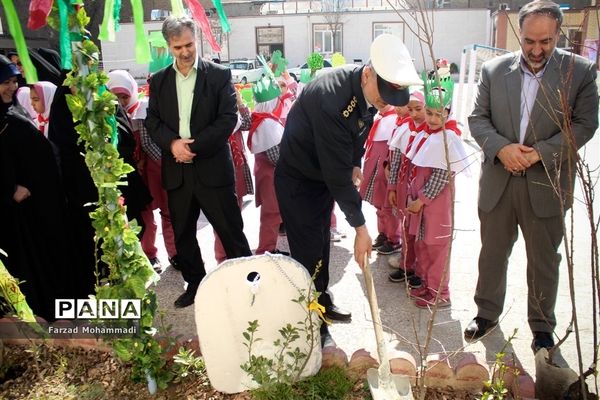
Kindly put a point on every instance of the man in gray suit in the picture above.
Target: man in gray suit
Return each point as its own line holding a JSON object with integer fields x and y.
{"x": 529, "y": 143}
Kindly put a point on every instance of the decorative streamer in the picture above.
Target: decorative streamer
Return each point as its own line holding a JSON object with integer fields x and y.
{"x": 14, "y": 27}
{"x": 142, "y": 47}
{"x": 177, "y": 8}
{"x": 222, "y": 16}
{"x": 66, "y": 58}
{"x": 111, "y": 121}
{"x": 38, "y": 13}
{"x": 199, "y": 15}
{"x": 107, "y": 29}
{"x": 117, "y": 15}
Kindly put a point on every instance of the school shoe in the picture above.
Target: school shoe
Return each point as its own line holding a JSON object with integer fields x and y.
{"x": 155, "y": 263}
{"x": 429, "y": 301}
{"x": 415, "y": 281}
{"x": 389, "y": 248}
{"x": 478, "y": 328}
{"x": 379, "y": 241}
{"x": 541, "y": 340}
{"x": 400, "y": 275}
{"x": 418, "y": 293}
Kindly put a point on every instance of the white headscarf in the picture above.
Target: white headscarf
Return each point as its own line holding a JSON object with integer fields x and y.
{"x": 121, "y": 81}
{"x": 25, "y": 101}
{"x": 45, "y": 90}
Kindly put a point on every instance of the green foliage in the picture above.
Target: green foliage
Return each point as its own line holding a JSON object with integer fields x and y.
{"x": 329, "y": 384}
{"x": 186, "y": 363}
{"x": 130, "y": 273}
{"x": 495, "y": 388}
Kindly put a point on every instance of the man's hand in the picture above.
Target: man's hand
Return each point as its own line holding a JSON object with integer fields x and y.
{"x": 21, "y": 193}
{"x": 392, "y": 198}
{"x": 357, "y": 176}
{"x": 514, "y": 157}
{"x": 180, "y": 148}
{"x": 414, "y": 206}
{"x": 362, "y": 245}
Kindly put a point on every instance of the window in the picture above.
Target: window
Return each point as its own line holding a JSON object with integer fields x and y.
{"x": 393, "y": 28}
{"x": 269, "y": 39}
{"x": 324, "y": 40}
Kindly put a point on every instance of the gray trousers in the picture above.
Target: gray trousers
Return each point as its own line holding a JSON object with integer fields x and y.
{"x": 543, "y": 237}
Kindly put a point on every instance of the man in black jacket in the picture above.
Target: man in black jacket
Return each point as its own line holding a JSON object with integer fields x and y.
{"x": 321, "y": 152}
{"x": 191, "y": 114}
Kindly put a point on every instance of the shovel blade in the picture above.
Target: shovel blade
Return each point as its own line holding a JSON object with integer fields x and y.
{"x": 392, "y": 387}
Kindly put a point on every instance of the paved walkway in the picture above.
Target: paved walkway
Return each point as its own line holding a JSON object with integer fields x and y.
{"x": 404, "y": 323}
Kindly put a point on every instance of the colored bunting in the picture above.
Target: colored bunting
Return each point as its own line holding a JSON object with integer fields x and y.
{"x": 199, "y": 15}
{"x": 14, "y": 27}
{"x": 66, "y": 58}
{"x": 107, "y": 28}
{"x": 177, "y": 8}
{"x": 222, "y": 16}
{"x": 38, "y": 13}
{"x": 142, "y": 49}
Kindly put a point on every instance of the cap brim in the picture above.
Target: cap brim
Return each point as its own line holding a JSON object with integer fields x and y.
{"x": 393, "y": 94}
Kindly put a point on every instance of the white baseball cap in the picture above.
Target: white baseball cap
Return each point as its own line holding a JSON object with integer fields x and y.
{"x": 394, "y": 68}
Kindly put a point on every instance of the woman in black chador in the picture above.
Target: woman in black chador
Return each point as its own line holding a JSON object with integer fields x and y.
{"x": 31, "y": 203}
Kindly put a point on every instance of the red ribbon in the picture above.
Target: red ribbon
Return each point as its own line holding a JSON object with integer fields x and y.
{"x": 369, "y": 144}
{"x": 257, "y": 119}
{"x": 199, "y": 15}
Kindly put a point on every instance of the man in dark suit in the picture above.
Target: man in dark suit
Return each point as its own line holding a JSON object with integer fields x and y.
{"x": 529, "y": 141}
{"x": 191, "y": 113}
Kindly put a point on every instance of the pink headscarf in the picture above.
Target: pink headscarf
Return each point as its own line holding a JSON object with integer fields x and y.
{"x": 45, "y": 91}
{"x": 121, "y": 81}
{"x": 25, "y": 101}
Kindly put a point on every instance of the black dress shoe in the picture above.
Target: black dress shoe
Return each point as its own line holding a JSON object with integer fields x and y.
{"x": 541, "y": 340}
{"x": 187, "y": 298}
{"x": 478, "y": 327}
{"x": 337, "y": 314}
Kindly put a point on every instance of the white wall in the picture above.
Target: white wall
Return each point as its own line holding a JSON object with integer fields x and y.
{"x": 453, "y": 29}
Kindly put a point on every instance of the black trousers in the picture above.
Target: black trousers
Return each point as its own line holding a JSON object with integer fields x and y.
{"x": 220, "y": 207}
{"x": 305, "y": 208}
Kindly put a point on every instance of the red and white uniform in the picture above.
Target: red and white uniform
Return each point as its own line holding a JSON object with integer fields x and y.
{"x": 432, "y": 226}
{"x": 373, "y": 188}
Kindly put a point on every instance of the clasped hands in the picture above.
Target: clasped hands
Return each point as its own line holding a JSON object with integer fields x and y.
{"x": 180, "y": 148}
{"x": 517, "y": 157}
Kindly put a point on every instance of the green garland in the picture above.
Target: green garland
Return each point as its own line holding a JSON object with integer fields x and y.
{"x": 130, "y": 273}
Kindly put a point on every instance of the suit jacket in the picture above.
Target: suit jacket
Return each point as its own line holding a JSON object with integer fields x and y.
{"x": 212, "y": 120}
{"x": 495, "y": 123}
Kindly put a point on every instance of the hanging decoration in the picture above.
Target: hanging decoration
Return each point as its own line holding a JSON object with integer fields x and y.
{"x": 66, "y": 58}
{"x": 199, "y": 14}
{"x": 117, "y": 15}
{"x": 159, "y": 52}
{"x": 177, "y": 8}
{"x": 222, "y": 16}
{"x": 142, "y": 48}
{"x": 14, "y": 27}
{"x": 38, "y": 13}
{"x": 107, "y": 28}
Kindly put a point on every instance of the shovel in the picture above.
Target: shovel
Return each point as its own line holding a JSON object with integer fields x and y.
{"x": 383, "y": 384}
